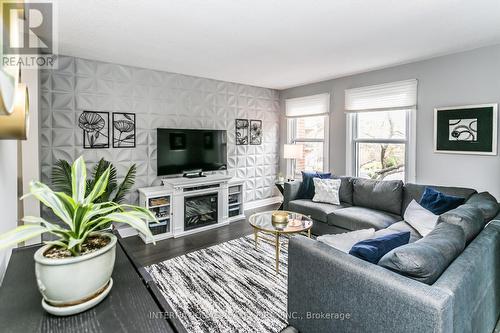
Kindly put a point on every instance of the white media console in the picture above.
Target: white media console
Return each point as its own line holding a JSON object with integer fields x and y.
{"x": 188, "y": 205}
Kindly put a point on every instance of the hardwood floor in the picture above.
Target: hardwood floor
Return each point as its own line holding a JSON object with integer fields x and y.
{"x": 147, "y": 254}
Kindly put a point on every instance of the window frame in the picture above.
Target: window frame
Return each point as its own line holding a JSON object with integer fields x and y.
{"x": 352, "y": 156}
{"x": 291, "y": 139}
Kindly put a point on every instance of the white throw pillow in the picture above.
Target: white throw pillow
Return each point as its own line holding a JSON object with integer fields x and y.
{"x": 345, "y": 241}
{"x": 326, "y": 190}
{"x": 420, "y": 218}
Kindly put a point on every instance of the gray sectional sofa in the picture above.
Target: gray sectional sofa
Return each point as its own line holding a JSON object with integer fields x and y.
{"x": 331, "y": 291}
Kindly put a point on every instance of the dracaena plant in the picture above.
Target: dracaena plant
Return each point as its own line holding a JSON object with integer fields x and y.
{"x": 81, "y": 214}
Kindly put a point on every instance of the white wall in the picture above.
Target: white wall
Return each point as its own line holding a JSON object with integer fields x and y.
{"x": 9, "y": 172}
{"x": 8, "y": 194}
{"x": 159, "y": 100}
{"x": 471, "y": 77}
{"x": 30, "y": 148}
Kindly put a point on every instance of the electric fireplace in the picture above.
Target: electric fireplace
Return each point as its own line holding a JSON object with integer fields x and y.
{"x": 200, "y": 210}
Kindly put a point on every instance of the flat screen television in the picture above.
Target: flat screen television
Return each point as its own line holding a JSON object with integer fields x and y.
{"x": 185, "y": 150}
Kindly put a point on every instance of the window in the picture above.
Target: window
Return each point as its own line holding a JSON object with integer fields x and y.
{"x": 380, "y": 144}
{"x": 381, "y": 129}
{"x": 308, "y": 126}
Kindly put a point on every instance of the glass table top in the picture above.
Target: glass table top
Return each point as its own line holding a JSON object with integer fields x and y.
{"x": 296, "y": 222}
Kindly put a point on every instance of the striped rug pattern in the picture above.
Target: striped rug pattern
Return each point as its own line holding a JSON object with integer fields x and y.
{"x": 230, "y": 287}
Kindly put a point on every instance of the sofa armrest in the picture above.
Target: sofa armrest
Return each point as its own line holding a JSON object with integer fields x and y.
{"x": 331, "y": 291}
{"x": 473, "y": 280}
{"x": 290, "y": 192}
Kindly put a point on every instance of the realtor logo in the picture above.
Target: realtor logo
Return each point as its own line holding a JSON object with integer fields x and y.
{"x": 28, "y": 34}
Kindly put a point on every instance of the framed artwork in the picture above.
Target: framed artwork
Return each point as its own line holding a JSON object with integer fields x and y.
{"x": 95, "y": 126}
{"x": 123, "y": 130}
{"x": 255, "y": 132}
{"x": 241, "y": 131}
{"x": 470, "y": 129}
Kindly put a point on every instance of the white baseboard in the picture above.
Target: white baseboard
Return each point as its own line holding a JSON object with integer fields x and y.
{"x": 264, "y": 202}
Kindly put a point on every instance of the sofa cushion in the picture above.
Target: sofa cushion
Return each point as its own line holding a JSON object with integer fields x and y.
{"x": 428, "y": 257}
{"x": 372, "y": 250}
{"x": 355, "y": 218}
{"x": 306, "y": 189}
{"x": 345, "y": 192}
{"x": 317, "y": 210}
{"x": 486, "y": 203}
{"x": 420, "y": 218}
{"x": 400, "y": 227}
{"x": 415, "y": 191}
{"x": 345, "y": 241}
{"x": 326, "y": 191}
{"x": 439, "y": 203}
{"x": 468, "y": 217}
{"x": 380, "y": 195}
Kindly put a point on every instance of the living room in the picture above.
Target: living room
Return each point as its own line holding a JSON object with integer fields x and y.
{"x": 250, "y": 166}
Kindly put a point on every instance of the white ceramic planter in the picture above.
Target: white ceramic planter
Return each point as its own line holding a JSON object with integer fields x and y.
{"x": 73, "y": 280}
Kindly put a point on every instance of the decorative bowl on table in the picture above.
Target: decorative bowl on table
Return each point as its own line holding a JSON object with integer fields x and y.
{"x": 279, "y": 217}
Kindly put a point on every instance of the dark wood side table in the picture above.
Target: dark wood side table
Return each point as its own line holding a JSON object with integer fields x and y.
{"x": 129, "y": 307}
{"x": 281, "y": 188}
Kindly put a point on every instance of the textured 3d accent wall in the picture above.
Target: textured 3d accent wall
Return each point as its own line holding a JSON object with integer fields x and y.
{"x": 159, "y": 99}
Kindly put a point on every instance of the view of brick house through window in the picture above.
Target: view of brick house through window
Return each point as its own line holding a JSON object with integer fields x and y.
{"x": 310, "y": 132}
{"x": 308, "y": 119}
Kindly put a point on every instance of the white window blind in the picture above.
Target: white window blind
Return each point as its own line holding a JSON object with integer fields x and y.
{"x": 315, "y": 105}
{"x": 388, "y": 96}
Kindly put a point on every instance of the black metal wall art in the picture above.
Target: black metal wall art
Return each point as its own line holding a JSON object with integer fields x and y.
{"x": 123, "y": 130}
{"x": 95, "y": 126}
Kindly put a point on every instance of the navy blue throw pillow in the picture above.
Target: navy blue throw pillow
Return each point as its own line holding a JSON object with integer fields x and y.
{"x": 306, "y": 189}
{"x": 438, "y": 202}
{"x": 372, "y": 250}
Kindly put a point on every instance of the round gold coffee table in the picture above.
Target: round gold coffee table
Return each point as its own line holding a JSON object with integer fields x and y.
{"x": 262, "y": 222}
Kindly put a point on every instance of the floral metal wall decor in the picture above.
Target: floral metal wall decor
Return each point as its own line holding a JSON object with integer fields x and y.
{"x": 123, "y": 130}
{"x": 241, "y": 131}
{"x": 95, "y": 126}
{"x": 255, "y": 132}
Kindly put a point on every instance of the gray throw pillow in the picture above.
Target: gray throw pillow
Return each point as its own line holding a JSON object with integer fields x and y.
{"x": 426, "y": 259}
{"x": 486, "y": 203}
{"x": 345, "y": 193}
{"x": 468, "y": 217}
{"x": 386, "y": 195}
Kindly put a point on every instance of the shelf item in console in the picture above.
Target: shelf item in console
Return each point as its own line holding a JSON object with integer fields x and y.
{"x": 159, "y": 201}
{"x": 163, "y": 211}
{"x": 159, "y": 228}
{"x": 233, "y": 199}
{"x": 234, "y": 212}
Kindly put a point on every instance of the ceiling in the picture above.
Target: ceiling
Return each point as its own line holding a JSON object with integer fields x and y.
{"x": 273, "y": 43}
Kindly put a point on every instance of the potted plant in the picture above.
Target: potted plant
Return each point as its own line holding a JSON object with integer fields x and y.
{"x": 73, "y": 272}
{"x": 116, "y": 192}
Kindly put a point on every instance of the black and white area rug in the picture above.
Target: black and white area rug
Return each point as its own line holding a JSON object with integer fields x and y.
{"x": 230, "y": 287}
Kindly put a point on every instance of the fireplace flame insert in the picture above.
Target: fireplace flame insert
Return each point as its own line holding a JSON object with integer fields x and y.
{"x": 200, "y": 211}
